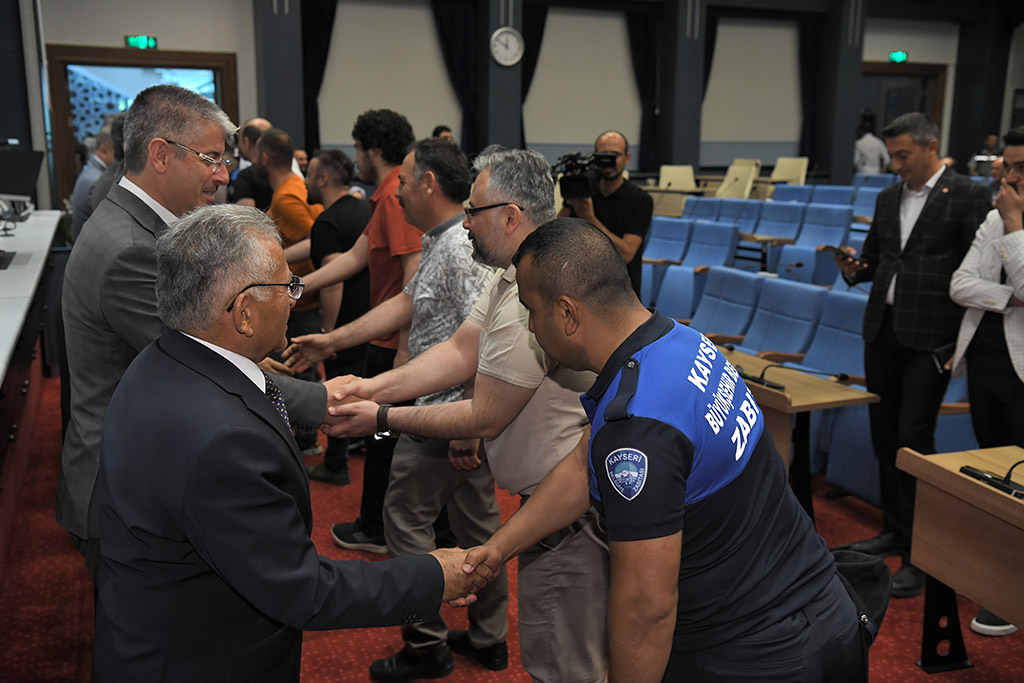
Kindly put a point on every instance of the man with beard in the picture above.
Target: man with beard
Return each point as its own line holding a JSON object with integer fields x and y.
{"x": 620, "y": 209}
{"x": 390, "y": 247}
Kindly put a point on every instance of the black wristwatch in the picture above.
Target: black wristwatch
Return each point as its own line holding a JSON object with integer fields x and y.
{"x": 383, "y": 431}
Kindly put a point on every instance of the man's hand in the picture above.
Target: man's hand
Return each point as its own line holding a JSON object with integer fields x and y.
{"x": 1010, "y": 205}
{"x": 462, "y": 454}
{"x": 484, "y": 562}
{"x": 307, "y": 350}
{"x": 351, "y": 416}
{"x": 269, "y": 365}
{"x": 848, "y": 264}
{"x": 584, "y": 208}
{"x": 340, "y": 390}
{"x": 459, "y": 586}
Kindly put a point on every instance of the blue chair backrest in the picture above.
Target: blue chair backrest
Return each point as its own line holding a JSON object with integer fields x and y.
{"x": 705, "y": 208}
{"x": 728, "y": 303}
{"x": 825, "y": 224}
{"x": 712, "y": 244}
{"x": 880, "y": 180}
{"x": 786, "y": 316}
{"x": 792, "y": 193}
{"x": 838, "y": 345}
{"x": 781, "y": 220}
{"x": 670, "y": 228}
{"x": 744, "y": 212}
{"x": 864, "y": 202}
{"x": 832, "y": 194}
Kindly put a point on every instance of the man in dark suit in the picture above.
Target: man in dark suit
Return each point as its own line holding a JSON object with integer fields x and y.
{"x": 205, "y": 517}
{"x": 174, "y": 162}
{"x": 921, "y": 231}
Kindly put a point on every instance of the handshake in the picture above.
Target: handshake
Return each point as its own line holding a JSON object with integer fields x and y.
{"x": 467, "y": 571}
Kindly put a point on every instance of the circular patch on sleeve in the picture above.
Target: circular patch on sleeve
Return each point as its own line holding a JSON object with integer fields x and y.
{"x": 627, "y": 471}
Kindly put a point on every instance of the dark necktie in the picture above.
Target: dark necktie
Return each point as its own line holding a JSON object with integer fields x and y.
{"x": 274, "y": 394}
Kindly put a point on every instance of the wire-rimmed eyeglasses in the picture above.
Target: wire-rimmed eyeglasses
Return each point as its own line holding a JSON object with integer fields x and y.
{"x": 294, "y": 285}
{"x": 217, "y": 164}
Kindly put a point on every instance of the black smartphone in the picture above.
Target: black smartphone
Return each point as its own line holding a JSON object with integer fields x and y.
{"x": 941, "y": 356}
{"x": 841, "y": 252}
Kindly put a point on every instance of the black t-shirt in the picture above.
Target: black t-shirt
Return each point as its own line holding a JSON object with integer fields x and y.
{"x": 335, "y": 231}
{"x": 249, "y": 184}
{"x": 627, "y": 211}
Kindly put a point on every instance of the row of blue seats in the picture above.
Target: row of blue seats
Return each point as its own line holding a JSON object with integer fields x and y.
{"x": 759, "y": 314}
{"x": 861, "y": 201}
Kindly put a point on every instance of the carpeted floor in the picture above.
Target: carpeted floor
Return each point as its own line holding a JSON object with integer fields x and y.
{"x": 46, "y": 599}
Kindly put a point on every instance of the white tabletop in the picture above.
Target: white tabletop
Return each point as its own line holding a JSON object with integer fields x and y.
{"x": 31, "y": 241}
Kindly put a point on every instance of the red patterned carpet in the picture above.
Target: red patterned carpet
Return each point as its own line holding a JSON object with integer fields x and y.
{"x": 46, "y": 599}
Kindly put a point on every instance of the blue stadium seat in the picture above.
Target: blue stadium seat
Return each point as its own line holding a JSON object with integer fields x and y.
{"x": 744, "y": 212}
{"x": 792, "y": 193}
{"x": 711, "y": 244}
{"x": 667, "y": 239}
{"x": 728, "y": 303}
{"x": 702, "y": 208}
{"x": 785, "y": 319}
{"x": 879, "y": 180}
{"x": 778, "y": 220}
{"x": 823, "y": 224}
{"x": 832, "y": 194}
{"x": 864, "y": 206}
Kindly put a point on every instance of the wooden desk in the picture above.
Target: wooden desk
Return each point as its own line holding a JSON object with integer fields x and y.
{"x": 969, "y": 538}
{"x": 802, "y": 393}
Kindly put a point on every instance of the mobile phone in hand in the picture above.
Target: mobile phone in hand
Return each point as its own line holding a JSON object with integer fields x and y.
{"x": 842, "y": 253}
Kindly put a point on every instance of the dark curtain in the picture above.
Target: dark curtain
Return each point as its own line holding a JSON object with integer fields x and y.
{"x": 710, "y": 35}
{"x": 535, "y": 17}
{"x": 317, "y": 25}
{"x": 456, "y": 24}
{"x": 809, "y": 57}
{"x": 643, "y": 48}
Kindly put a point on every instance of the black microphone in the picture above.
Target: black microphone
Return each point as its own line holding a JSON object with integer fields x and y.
{"x": 841, "y": 376}
{"x": 758, "y": 380}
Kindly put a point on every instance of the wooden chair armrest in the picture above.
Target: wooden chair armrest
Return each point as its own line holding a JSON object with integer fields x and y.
{"x": 781, "y": 356}
{"x": 701, "y": 269}
{"x": 747, "y": 237}
{"x": 862, "y": 219}
{"x": 958, "y": 408}
{"x": 661, "y": 261}
{"x": 718, "y": 338}
{"x": 772, "y": 240}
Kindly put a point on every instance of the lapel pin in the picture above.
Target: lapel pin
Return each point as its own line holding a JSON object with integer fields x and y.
{"x": 945, "y": 190}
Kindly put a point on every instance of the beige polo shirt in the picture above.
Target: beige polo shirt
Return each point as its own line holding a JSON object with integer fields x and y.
{"x": 550, "y": 424}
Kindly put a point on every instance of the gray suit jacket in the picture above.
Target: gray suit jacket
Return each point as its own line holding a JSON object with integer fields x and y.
{"x": 109, "y": 307}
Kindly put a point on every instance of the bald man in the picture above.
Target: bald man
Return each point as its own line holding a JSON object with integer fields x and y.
{"x": 619, "y": 208}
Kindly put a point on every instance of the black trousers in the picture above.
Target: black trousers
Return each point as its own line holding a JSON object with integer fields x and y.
{"x": 997, "y": 406}
{"x": 377, "y": 469}
{"x": 348, "y": 362}
{"x": 820, "y": 642}
{"x": 911, "y": 390}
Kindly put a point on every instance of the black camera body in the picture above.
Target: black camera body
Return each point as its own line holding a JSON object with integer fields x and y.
{"x": 580, "y": 174}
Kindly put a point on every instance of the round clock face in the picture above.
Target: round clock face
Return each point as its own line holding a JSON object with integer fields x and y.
{"x": 507, "y": 46}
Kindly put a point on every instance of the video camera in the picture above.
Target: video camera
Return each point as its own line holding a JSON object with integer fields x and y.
{"x": 580, "y": 173}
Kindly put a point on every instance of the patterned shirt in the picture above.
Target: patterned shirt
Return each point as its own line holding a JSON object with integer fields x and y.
{"x": 444, "y": 291}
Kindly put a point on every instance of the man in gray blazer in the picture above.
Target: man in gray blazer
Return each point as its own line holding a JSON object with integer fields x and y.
{"x": 174, "y": 162}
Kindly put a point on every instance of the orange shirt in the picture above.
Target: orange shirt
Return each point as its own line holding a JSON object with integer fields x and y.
{"x": 390, "y": 237}
{"x": 294, "y": 217}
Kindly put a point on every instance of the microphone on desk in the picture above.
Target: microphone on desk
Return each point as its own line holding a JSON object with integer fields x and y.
{"x": 790, "y": 266}
{"x": 841, "y": 376}
{"x": 661, "y": 195}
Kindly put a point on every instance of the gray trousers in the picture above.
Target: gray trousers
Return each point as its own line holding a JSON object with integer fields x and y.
{"x": 422, "y": 483}
{"x": 563, "y": 599}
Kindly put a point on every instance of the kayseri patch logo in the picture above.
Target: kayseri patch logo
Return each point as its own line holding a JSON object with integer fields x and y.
{"x": 627, "y": 471}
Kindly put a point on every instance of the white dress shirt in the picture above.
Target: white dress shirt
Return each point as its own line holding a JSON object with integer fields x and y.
{"x": 911, "y": 205}
{"x": 165, "y": 215}
{"x": 245, "y": 365}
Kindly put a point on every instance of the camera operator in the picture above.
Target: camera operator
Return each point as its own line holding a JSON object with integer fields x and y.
{"x": 619, "y": 208}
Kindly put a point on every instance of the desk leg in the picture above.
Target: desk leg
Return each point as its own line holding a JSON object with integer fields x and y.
{"x": 800, "y": 470}
{"x": 939, "y": 607}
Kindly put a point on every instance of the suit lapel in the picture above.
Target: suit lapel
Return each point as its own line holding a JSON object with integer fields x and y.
{"x": 221, "y": 372}
{"x": 934, "y": 208}
{"x": 137, "y": 209}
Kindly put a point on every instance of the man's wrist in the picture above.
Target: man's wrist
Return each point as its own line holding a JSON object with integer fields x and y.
{"x": 384, "y": 431}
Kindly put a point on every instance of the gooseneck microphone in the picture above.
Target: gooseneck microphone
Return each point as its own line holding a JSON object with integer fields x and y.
{"x": 841, "y": 376}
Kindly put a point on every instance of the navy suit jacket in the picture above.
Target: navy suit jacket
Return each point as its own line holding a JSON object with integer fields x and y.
{"x": 205, "y": 520}
{"x": 924, "y": 317}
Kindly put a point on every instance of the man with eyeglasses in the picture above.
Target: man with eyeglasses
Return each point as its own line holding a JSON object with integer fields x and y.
{"x": 174, "y": 162}
{"x": 525, "y": 407}
{"x": 620, "y": 209}
{"x": 210, "y": 572}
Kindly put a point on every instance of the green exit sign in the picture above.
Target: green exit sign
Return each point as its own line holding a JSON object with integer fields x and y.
{"x": 141, "y": 42}
{"x": 898, "y": 56}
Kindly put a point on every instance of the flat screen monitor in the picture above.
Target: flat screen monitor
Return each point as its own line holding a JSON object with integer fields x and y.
{"x": 19, "y": 169}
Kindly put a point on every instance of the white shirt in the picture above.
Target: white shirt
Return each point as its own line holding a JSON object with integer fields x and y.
{"x": 165, "y": 215}
{"x": 245, "y": 365}
{"x": 911, "y": 205}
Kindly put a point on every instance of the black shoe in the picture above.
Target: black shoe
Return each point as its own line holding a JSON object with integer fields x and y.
{"x": 885, "y": 544}
{"x": 988, "y": 624}
{"x": 404, "y": 665}
{"x": 328, "y": 476}
{"x": 350, "y": 535}
{"x": 908, "y": 581}
{"x": 493, "y": 657}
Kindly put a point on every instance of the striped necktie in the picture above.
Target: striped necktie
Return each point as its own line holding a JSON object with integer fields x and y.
{"x": 274, "y": 394}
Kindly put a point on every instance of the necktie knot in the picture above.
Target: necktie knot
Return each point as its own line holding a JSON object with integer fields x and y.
{"x": 274, "y": 394}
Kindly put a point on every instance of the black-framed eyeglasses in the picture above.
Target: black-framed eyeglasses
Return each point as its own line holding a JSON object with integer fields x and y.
{"x": 295, "y": 286}
{"x": 217, "y": 164}
{"x": 474, "y": 210}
